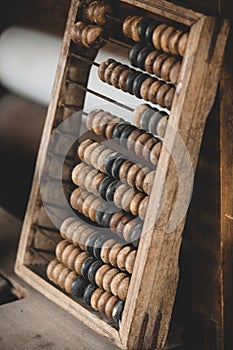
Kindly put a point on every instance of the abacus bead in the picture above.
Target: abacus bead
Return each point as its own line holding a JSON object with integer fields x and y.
{"x": 130, "y": 81}
{"x": 162, "y": 125}
{"x": 126, "y": 199}
{"x": 98, "y": 245}
{"x": 123, "y": 288}
{"x": 89, "y": 11}
{"x": 84, "y": 236}
{"x": 134, "y": 29}
{"x": 108, "y": 72}
{"x": 103, "y": 186}
{"x": 85, "y": 267}
{"x": 133, "y": 54}
{"x": 109, "y": 163}
{"x": 158, "y": 63}
{"x": 79, "y": 261}
{"x": 135, "y": 236}
{"x": 173, "y": 42}
{"x": 116, "y": 75}
{"x": 89, "y": 244}
{"x": 138, "y": 112}
{"x": 123, "y": 78}
{"x": 76, "y": 32}
{"x": 153, "y": 122}
{"x": 118, "y": 163}
{"x": 130, "y": 260}
{"x": 142, "y": 27}
{"x": 148, "y": 182}
{"x": 174, "y": 72}
{"x": 166, "y": 68}
{"x": 69, "y": 281}
{"x": 106, "y": 207}
{"x": 116, "y": 281}
{"x": 115, "y": 220}
{"x": 102, "y": 301}
{"x": 75, "y": 226}
{"x": 100, "y": 274}
{"x": 118, "y": 130}
{"x": 106, "y": 247}
{"x": 111, "y": 190}
{"x": 134, "y": 205}
{"x": 90, "y": 117}
{"x": 121, "y": 225}
{"x": 143, "y": 55}
{"x": 95, "y": 298}
{"x": 60, "y": 248}
{"x": 145, "y": 87}
{"x": 75, "y": 173}
{"x": 96, "y": 37}
{"x": 149, "y": 32}
{"x": 90, "y": 178}
{"x": 93, "y": 269}
{"x": 140, "y": 143}
{"x": 82, "y": 146}
{"x": 88, "y": 293}
{"x": 119, "y": 194}
{"x": 143, "y": 207}
{"x": 76, "y": 235}
{"x": 96, "y": 122}
{"x": 102, "y": 68}
{"x": 62, "y": 277}
{"x": 102, "y": 158}
{"x": 146, "y": 117}
{"x": 66, "y": 253}
{"x": 132, "y": 174}
{"x": 121, "y": 257}
{"x": 150, "y": 59}
{"x": 87, "y": 204}
{"x": 132, "y": 139}
{"x": 169, "y": 96}
{"x": 65, "y": 225}
{"x": 156, "y": 37}
{"x": 128, "y": 229}
{"x": 140, "y": 178}
{"x": 56, "y": 272}
{"x": 162, "y": 93}
{"x": 117, "y": 311}
{"x": 113, "y": 254}
{"x": 166, "y": 38}
{"x": 110, "y": 128}
{"x": 123, "y": 171}
{"x": 107, "y": 279}
{"x": 182, "y": 44}
{"x": 126, "y": 28}
{"x": 72, "y": 257}
{"x": 96, "y": 183}
{"x": 101, "y": 10}
{"x": 138, "y": 83}
{"x": 155, "y": 87}
{"x": 100, "y": 130}
{"x": 149, "y": 144}
{"x": 88, "y": 152}
{"x": 84, "y": 33}
{"x": 125, "y": 134}
{"x": 110, "y": 305}
{"x": 50, "y": 268}
{"x": 82, "y": 175}
{"x": 78, "y": 287}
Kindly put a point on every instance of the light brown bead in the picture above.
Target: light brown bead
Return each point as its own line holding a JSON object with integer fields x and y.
{"x": 182, "y": 44}
{"x": 87, "y": 204}
{"x": 100, "y": 130}
{"x": 105, "y": 250}
{"x": 75, "y": 200}
{"x": 107, "y": 279}
{"x": 148, "y": 182}
{"x": 134, "y": 29}
{"x": 166, "y": 68}
{"x": 56, "y": 272}
{"x": 80, "y": 180}
{"x": 139, "y": 110}
{"x": 50, "y": 268}
{"x": 108, "y": 72}
{"x": 71, "y": 230}
{"x": 140, "y": 142}
{"x": 123, "y": 288}
{"x": 102, "y": 301}
{"x": 95, "y": 298}
{"x": 140, "y": 178}
{"x": 102, "y": 67}
{"x": 110, "y": 128}
{"x": 157, "y": 34}
{"x": 101, "y": 10}
{"x": 153, "y": 91}
{"x": 143, "y": 207}
{"x": 165, "y": 38}
{"x": 65, "y": 225}
{"x": 115, "y": 219}
{"x": 127, "y": 198}
{"x": 149, "y": 144}
{"x": 79, "y": 261}
{"x": 121, "y": 225}
{"x": 158, "y": 63}
{"x": 145, "y": 87}
{"x": 113, "y": 254}
{"x": 130, "y": 260}
{"x": 173, "y": 41}
{"x": 90, "y": 117}
{"x": 155, "y": 153}
{"x": 123, "y": 77}
{"x": 162, "y": 93}
{"x": 93, "y": 208}
{"x": 124, "y": 169}
{"x": 90, "y": 178}
{"x": 84, "y": 236}
{"x": 95, "y": 155}
{"x": 132, "y": 174}
{"x": 116, "y": 281}
{"x": 95, "y": 184}
{"x": 71, "y": 258}
{"x": 169, "y": 97}
{"x": 76, "y": 235}
{"x": 62, "y": 277}
{"x": 69, "y": 281}
{"x": 128, "y": 229}
{"x": 100, "y": 274}
{"x": 96, "y": 122}
{"x": 75, "y": 173}
{"x": 174, "y": 72}
{"x": 89, "y": 11}
{"x": 82, "y": 146}
{"x": 119, "y": 194}
{"x": 121, "y": 257}
{"x": 102, "y": 159}
{"x": 126, "y": 28}
{"x": 60, "y": 248}
{"x": 134, "y": 205}
{"x": 66, "y": 253}
{"x": 76, "y": 32}
{"x": 110, "y": 306}
{"x": 162, "y": 125}
{"x": 132, "y": 139}
{"x": 116, "y": 75}
{"x": 88, "y": 151}
{"x": 150, "y": 59}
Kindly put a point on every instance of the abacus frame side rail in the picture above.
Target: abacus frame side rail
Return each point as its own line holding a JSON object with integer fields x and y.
{"x": 202, "y": 59}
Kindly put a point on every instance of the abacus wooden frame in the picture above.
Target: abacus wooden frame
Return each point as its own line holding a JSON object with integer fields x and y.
{"x": 151, "y": 295}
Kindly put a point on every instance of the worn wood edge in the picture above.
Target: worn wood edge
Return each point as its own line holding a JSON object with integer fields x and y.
{"x": 33, "y": 202}
{"x": 137, "y": 276}
{"x": 167, "y": 9}
{"x": 56, "y": 296}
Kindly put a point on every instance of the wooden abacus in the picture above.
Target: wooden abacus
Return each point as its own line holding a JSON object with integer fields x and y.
{"x": 117, "y": 268}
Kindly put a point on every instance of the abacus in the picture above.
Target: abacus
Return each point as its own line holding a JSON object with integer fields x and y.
{"x": 98, "y": 238}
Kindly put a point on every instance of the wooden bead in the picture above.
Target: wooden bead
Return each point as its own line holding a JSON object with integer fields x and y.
{"x": 132, "y": 139}
{"x": 162, "y": 125}
{"x": 169, "y": 96}
{"x": 125, "y": 134}
{"x": 86, "y": 232}
{"x": 173, "y": 42}
{"x": 116, "y": 281}
{"x": 134, "y": 205}
{"x": 130, "y": 260}
{"x": 70, "y": 278}
{"x": 96, "y": 37}
{"x": 88, "y": 152}
{"x": 102, "y": 301}
{"x": 142, "y": 27}
{"x": 115, "y": 76}
{"x": 97, "y": 121}
{"x": 110, "y": 128}
{"x": 102, "y": 158}
{"x": 116, "y": 166}
{"x": 149, "y": 144}
{"x": 117, "y": 311}
{"x": 156, "y": 37}
{"x": 97, "y": 247}
{"x": 123, "y": 288}
{"x": 162, "y": 93}
{"x": 107, "y": 279}
{"x": 121, "y": 257}
{"x": 113, "y": 254}
{"x": 50, "y": 268}
{"x": 105, "y": 250}
{"x": 108, "y": 72}
{"x": 89, "y": 290}
{"x": 90, "y": 117}
{"x": 79, "y": 261}
{"x": 80, "y": 180}
{"x": 134, "y": 29}
{"x": 129, "y": 228}
{"x": 153, "y": 91}
{"x": 83, "y": 145}
{"x": 76, "y": 32}
{"x": 123, "y": 171}
{"x": 78, "y": 287}
{"x": 102, "y": 68}
{"x": 138, "y": 113}
{"x": 70, "y": 230}
{"x": 150, "y": 59}
{"x": 138, "y": 83}
{"x": 89, "y": 180}
{"x": 120, "y": 127}
{"x": 100, "y": 274}
{"x": 85, "y": 266}
{"x": 126, "y": 28}
{"x": 111, "y": 190}
{"x": 94, "y": 188}
{"x": 153, "y": 122}
{"x": 56, "y": 272}
{"x": 93, "y": 208}
{"x": 130, "y": 81}
{"x": 119, "y": 194}
{"x": 127, "y": 198}
{"x": 158, "y": 63}
{"x": 182, "y": 44}
{"x": 89, "y": 244}
{"x": 145, "y": 87}
{"x": 95, "y": 155}
{"x": 139, "y": 144}
{"x": 166, "y": 68}
{"x": 100, "y": 129}
{"x": 146, "y": 117}
{"x": 93, "y": 269}
{"x": 132, "y": 174}
{"x": 110, "y": 305}
{"x": 134, "y": 52}
{"x": 95, "y": 298}
{"x": 149, "y": 32}
{"x": 115, "y": 219}
{"x": 121, "y": 225}
{"x": 174, "y": 72}
{"x": 60, "y": 248}
{"x": 123, "y": 78}
{"x": 165, "y": 38}
{"x": 65, "y": 225}
{"x": 62, "y": 277}
{"x": 75, "y": 173}
{"x": 101, "y": 10}
{"x": 140, "y": 178}
{"x": 75, "y": 200}
{"x": 87, "y": 204}
{"x": 66, "y": 253}
{"x": 71, "y": 258}
{"x": 148, "y": 182}
{"x": 141, "y": 58}
{"x": 143, "y": 207}
{"x": 76, "y": 235}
